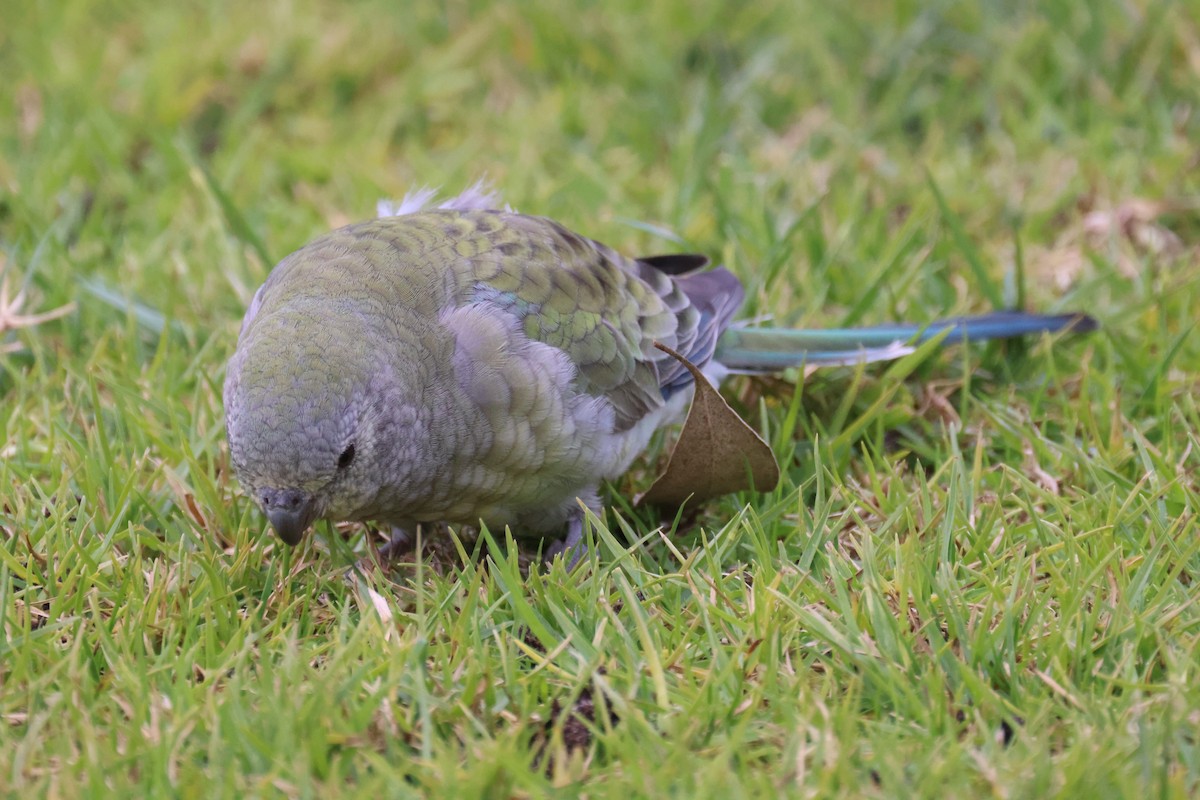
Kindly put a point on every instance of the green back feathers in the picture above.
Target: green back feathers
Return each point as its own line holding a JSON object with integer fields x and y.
{"x": 603, "y": 310}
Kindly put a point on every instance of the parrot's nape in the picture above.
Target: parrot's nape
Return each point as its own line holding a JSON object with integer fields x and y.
{"x": 467, "y": 364}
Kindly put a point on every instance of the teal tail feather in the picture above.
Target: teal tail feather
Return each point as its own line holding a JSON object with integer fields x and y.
{"x": 765, "y": 349}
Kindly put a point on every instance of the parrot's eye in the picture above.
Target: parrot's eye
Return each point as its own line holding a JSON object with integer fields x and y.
{"x": 347, "y": 457}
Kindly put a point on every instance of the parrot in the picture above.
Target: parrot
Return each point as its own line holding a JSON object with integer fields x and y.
{"x": 467, "y": 364}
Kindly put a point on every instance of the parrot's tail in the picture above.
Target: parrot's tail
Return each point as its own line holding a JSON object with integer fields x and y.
{"x": 765, "y": 349}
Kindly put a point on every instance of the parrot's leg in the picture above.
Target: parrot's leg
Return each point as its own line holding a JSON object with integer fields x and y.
{"x": 401, "y": 544}
{"x": 572, "y": 547}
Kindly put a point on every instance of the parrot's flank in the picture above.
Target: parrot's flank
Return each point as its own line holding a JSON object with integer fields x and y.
{"x": 466, "y": 364}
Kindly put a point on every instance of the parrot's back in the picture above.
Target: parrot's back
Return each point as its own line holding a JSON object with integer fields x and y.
{"x": 486, "y": 365}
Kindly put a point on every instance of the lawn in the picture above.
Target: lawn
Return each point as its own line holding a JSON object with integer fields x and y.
{"x": 977, "y": 577}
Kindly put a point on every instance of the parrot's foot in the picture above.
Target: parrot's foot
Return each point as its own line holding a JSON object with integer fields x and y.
{"x": 401, "y": 544}
{"x": 572, "y": 547}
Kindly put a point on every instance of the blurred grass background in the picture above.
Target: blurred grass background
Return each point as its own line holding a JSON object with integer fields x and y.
{"x": 977, "y": 578}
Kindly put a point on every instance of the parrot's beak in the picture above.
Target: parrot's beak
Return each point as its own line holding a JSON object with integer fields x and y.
{"x": 290, "y": 512}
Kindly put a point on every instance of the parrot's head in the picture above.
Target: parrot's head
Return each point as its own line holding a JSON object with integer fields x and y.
{"x": 303, "y": 416}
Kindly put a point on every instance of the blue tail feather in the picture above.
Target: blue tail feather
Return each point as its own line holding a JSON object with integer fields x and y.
{"x": 752, "y": 349}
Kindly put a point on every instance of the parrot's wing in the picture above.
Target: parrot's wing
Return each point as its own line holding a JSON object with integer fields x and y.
{"x": 603, "y": 310}
{"x": 716, "y": 295}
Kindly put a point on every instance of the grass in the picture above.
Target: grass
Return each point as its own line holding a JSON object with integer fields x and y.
{"x": 977, "y": 577}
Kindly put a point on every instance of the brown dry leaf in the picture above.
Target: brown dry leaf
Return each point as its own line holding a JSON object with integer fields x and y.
{"x": 717, "y": 452}
{"x": 1135, "y": 221}
{"x": 1126, "y": 232}
{"x": 1059, "y": 265}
